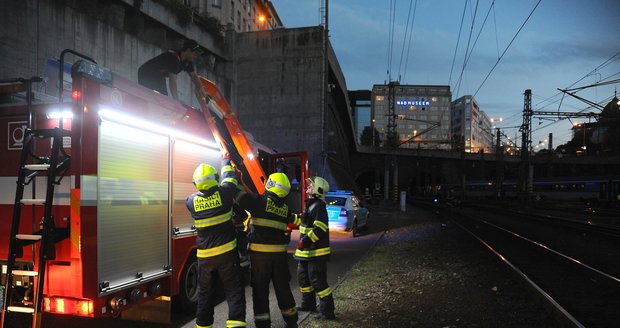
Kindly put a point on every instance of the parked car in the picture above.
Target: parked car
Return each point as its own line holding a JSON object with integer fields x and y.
{"x": 346, "y": 213}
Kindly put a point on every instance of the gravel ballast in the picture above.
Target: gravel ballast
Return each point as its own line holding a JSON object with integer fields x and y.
{"x": 425, "y": 271}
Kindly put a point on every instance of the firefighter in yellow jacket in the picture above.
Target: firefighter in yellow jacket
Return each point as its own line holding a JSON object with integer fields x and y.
{"x": 313, "y": 252}
{"x": 211, "y": 208}
{"x": 267, "y": 241}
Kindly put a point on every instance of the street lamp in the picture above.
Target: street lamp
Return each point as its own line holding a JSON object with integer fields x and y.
{"x": 493, "y": 120}
{"x": 374, "y": 133}
{"x": 261, "y": 21}
{"x": 583, "y": 131}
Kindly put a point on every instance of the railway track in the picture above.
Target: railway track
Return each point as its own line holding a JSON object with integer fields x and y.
{"x": 574, "y": 267}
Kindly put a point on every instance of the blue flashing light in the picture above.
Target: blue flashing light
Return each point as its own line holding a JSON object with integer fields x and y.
{"x": 93, "y": 72}
{"x": 340, "y": 192}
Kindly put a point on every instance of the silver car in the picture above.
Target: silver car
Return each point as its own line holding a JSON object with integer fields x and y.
{"x": 346, "y": 212}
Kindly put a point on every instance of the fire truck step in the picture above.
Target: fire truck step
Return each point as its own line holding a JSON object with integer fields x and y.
{"x": 25, "y": 273}
{"x": 37, "y": 167}
{"x": 21, "y": 309}
{"x": 33, "y": 201}
{"x": 27, "y": 237}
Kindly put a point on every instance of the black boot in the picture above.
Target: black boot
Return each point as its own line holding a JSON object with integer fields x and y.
{"x": 291, "y": 321}
{"x": 326, "y": 308}
{"x": 324, "y": 316}
{"x": 263, "y": 324}
{"x": 308, "y": 302}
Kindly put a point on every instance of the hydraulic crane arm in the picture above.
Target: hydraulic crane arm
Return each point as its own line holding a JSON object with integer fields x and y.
{"x": 231, "y": 137}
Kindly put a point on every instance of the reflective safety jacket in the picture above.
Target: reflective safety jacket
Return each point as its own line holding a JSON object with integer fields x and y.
{"x": 314, "y": 231}
{"x": 269, "y": 221}
{"x": 212, "y": 213}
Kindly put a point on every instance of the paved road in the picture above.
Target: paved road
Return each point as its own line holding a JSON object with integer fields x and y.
{"x": 346, "y": 251}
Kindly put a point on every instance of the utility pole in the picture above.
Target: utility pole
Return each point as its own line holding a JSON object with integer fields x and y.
{"x": 499, "y": 170}
{"x": 550, "y": 156}
{"x": 550, "y": 142}
{"x": 391, "y": 125}
{"x": 324, "y": 144}
{"x": 391, "y": 140}
{"x": 526, "y": 143}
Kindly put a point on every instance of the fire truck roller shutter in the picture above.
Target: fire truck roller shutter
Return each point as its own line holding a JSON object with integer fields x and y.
{"x": 133, "y": 232}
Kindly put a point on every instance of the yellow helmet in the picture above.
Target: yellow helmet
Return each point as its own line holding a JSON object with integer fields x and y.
{"x": 320, "y": 187}
{"x": 278, "y": 184}
{"x": 205, "y": 177}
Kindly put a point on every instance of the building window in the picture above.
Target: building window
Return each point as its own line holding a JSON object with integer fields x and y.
{"x": 217, "y": 3}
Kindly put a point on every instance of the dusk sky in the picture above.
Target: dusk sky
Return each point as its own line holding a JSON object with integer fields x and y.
{"x": 564, "y": 44}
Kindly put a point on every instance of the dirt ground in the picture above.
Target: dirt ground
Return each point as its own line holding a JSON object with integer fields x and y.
{"x": 427, "y": 272}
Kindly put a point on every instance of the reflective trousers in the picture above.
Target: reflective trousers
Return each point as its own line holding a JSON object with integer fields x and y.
{"x": 312, "y": 277}
{"x": 267, "y": 268}
{"x": 212, "y": 270}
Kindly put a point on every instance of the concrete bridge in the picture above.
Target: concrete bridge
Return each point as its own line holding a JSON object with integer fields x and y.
{"x": 422, "y": 172}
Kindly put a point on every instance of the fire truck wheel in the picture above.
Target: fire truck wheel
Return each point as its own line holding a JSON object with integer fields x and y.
{"x": 186, "y": 301}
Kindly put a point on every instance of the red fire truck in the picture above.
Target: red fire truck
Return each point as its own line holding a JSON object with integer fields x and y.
{"x": 102, "y": 180}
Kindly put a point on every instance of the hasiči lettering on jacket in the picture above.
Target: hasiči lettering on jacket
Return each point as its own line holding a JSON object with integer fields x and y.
{"x": 205, "y": 203}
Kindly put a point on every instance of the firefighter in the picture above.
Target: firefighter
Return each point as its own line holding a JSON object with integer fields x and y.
{"x": 153, "y": 73}
{"x": 313, "y": 252}
{"x": 377, "y": 194}
{"x": 211, "y": 208}
{"x": 267, "y": 239}
{"x": 367, "y": 196}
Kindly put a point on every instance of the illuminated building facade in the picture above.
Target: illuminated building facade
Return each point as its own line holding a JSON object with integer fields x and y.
{"x": 243, "y": 15}
{"x": 471, "y": 125}
{"x": 422, "y": 115}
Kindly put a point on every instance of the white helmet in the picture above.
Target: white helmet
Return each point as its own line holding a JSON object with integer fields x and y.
{"x": 320, "y": 187}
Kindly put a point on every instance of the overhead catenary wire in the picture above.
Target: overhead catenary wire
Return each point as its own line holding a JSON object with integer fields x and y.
{"x": 471, "y": 51}
{"x": 507, "y": 47}
{"x": 558, "y": 97}
{"x": 410, "y": 36}
{"x": 458, "y": 39}
{"x": 580, "y": 109}
{"x": 551, "y": 100}
{"x": 402, "y": 50}
{"x": 391, "y": 39}
{"x": 606, "y": 100}
{"x": 496, "y": 38}
{"x": 471, "y": 30}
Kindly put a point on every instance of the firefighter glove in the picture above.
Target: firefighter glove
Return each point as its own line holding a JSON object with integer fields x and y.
{"x": 303, "y": 243}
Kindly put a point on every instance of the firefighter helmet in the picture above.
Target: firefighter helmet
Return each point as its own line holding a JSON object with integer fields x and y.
{"x": 318, "y": 187}
{"x": 205, "y": 177}
{"x": 278, "y": 184}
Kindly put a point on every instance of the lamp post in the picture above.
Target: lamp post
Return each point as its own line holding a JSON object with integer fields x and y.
{"x": 374, "y": 133}
{"x": 495, "y": 122}
{"x": 583, "y": 132}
